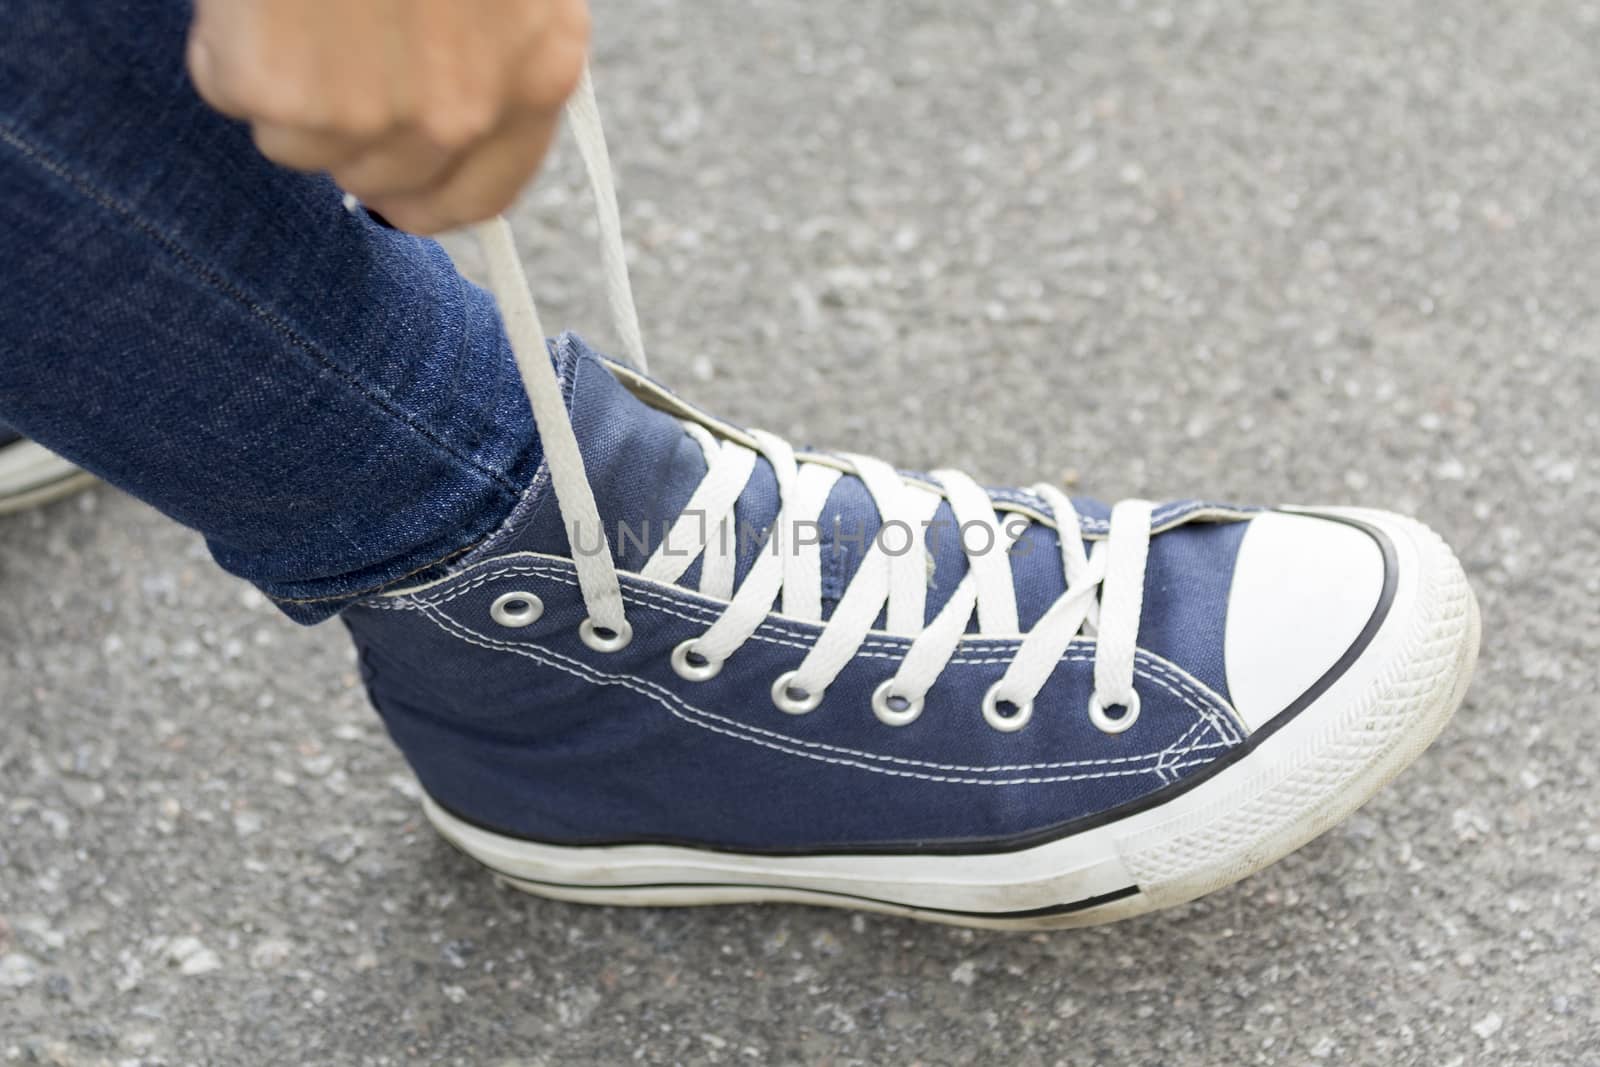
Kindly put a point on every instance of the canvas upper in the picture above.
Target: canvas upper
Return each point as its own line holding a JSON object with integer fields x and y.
{"x": 527, "y": 730}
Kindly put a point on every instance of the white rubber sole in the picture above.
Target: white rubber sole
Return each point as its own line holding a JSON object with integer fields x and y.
{"x": 31, "y": 475}
{"x": 1299, "y": 780}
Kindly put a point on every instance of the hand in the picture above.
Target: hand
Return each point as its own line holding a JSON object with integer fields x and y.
{"x": 434, "y": 113}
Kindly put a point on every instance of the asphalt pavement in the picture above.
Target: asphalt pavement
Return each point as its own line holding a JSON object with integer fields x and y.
{"x": 1267, "y": 251}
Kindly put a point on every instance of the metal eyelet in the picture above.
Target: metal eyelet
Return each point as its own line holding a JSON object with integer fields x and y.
{"x": 683, "y": 662}
{"x": 516, "y": 609}
{"x": 884, "y": 709}
{"x": 1000, "y": 721}
{"x": 1104, "y": 722}
{"x": 603, "y": 638}
{"x": 783, "y": 696}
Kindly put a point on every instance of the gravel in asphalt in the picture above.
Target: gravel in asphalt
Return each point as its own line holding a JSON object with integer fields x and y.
{"x": 1285, "y": 251}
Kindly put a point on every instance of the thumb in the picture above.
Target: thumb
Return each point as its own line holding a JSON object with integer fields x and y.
{"x": 206, "y": 67}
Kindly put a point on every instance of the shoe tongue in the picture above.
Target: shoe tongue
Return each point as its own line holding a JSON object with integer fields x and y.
{"x": 851, "y": 524}
{"x": 643, "y": 467}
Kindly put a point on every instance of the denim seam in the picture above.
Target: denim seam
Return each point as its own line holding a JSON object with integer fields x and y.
{"x": 372, "y": 589}
{"x": 532, "y": 497}
{"x": 741, "y": 732}
{"x": 196, "y": 266}
{"x": 568, "y": 365}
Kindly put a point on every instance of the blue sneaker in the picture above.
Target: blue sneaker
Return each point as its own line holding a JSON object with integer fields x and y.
{"x": 31, "y": 475}
{"x": 702, "y": 666}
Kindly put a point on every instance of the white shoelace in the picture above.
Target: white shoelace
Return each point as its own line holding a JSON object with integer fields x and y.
{"x": 892, "y": 577}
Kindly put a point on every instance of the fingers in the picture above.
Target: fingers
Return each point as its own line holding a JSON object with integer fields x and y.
{"x": 414, "y": 181}
{"x": 406, "y": 162}
{"x": 307, "y": 149}
{"x": 483, "y": 183}
{"x": 205, "y": 67}
{"x": 433, "y": 114}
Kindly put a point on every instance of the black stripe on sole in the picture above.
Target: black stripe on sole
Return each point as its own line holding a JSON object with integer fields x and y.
{"x": 1027, "y": 913}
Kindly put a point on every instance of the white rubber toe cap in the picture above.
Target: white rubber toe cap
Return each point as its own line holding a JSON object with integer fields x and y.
{"x": 1303, "y": 590}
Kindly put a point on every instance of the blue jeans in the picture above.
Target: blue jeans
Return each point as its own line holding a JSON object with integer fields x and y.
{"x": 324, "y": 398}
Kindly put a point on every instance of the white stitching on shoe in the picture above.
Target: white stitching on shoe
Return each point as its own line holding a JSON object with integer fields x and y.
{"x": 1168, "y": 676}
{"x": 668, "y": 699}
{"x": 1188, "y": 689}
{"x": 1173, "y": 753}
